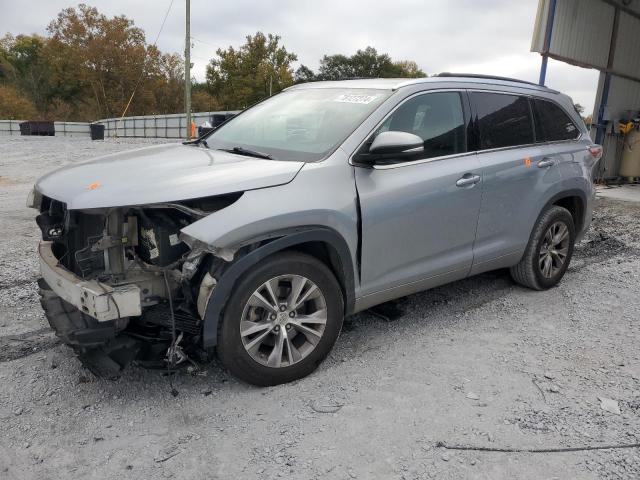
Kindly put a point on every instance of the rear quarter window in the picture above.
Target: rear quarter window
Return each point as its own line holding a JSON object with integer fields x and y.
{"x": 503, "y": 120}
{"x": 552, "y": 122}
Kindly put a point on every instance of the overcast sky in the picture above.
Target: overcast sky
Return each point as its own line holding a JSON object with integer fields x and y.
{"x": 481, "y": 36}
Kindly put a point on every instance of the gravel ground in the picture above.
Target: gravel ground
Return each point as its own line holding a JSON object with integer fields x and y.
{"x": 481, "y": 362}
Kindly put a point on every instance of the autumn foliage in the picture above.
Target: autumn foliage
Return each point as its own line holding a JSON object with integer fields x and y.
{"x": 88, "y": 66}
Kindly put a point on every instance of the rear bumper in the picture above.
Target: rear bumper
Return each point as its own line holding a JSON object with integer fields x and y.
{"x": 96, "y": 299}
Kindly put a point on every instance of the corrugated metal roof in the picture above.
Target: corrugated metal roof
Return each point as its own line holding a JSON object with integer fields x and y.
{"x": 627, "y": 52}
{"x": 582, "y": 31}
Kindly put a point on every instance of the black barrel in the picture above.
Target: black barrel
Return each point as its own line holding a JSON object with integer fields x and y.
{"x": 97, "y": 131}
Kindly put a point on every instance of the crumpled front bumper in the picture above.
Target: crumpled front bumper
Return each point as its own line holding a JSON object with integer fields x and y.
{"x": 96, "y": 299}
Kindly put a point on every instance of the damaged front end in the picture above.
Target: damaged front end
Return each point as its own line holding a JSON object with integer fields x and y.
{"x": 120, "y": 284}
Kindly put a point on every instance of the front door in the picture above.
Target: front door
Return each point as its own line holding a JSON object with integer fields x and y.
{"x": 419, "y": 217}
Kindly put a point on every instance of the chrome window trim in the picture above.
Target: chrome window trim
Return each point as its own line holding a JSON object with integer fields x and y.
{"x": 417, "y": 162}
{"x": 579, "y": 138}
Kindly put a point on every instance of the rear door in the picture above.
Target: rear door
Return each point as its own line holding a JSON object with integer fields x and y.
{"x": 513, "y": 176}
{"x": 419, "y": 217}
{"x": 556, "y": 134}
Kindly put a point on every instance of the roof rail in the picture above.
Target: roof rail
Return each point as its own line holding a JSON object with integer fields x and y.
{"x": 488, "y": 77}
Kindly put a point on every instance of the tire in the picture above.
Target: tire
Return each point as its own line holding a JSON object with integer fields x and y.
{"x": 105, "y": 354}
{"x": 531, "y": 271}
{"x": 298, "y": 356}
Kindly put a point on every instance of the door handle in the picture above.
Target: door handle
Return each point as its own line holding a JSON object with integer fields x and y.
{"x": 546, "y": 162}
{"x": 467, "y": 180}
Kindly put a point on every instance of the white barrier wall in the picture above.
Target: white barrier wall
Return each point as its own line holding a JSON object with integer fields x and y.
{"x": 63, "y": 129}
{"x": 10, "y": 127}
{"x": 155, "y": 126}
{"x": 152, "y": 126}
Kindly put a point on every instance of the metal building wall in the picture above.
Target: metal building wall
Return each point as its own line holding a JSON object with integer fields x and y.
{"x": 624, "y": 98}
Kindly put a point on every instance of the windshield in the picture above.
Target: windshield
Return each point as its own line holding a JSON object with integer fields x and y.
{"x": 302, "y": 125}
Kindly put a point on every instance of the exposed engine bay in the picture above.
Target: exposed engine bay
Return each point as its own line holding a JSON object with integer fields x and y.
{"x": 139, "y": 247}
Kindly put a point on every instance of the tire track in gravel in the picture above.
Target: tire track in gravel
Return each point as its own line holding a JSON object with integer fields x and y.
{"x": 18, "y": 283}
{"x": 14, "y": 347}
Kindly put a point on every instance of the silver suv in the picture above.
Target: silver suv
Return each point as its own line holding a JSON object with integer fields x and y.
{"x": 322, "y": 201}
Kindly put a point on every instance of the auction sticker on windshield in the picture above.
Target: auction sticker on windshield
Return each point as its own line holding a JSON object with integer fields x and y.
{"x": 355, "y": 98}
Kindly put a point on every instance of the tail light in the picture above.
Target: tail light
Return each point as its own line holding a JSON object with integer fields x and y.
{"x": 595, "y": 151}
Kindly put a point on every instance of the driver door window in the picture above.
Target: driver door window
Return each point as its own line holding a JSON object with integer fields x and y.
{"x": 437, "y": 118}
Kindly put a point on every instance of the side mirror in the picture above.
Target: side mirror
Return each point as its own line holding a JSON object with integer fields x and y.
{"x": 395, "y": 142}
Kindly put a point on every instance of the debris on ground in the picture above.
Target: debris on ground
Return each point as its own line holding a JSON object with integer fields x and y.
{"x": 609, "y": 405}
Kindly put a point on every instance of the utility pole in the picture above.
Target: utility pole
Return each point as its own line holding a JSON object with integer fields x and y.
{"x": 187, "y": 69}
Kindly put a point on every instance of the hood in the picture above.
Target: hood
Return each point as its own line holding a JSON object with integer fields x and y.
{"x": 162, "y": 173}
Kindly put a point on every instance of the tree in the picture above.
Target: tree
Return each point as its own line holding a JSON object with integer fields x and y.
{"x": 25, "y": 66}
{"x": 14, "y": 106}
{"x": 105, "y": 57}
{"x": 202, "y": 100}
{"x": 366, "y": 63}
{"x": 304, "y": 74}
{"x": 259, "y": 68}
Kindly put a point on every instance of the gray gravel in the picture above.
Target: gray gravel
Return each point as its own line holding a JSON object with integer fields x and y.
{"x": 481, "y": 362}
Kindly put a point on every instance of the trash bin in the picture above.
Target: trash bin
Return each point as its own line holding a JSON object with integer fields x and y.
{"x": 31, "y": 127}
{"x": 97, "y": 131}
{"x": 204, "y": 130}
{"x": 218, "y": 119}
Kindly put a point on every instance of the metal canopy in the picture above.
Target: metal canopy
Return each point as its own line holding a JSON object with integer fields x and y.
{"x": 601, "y": 34}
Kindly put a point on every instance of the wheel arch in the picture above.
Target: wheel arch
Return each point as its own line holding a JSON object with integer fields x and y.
{"x": 323, "y": 243}
{"x": 574, "y": 200}
{"x": 576, "y": 206}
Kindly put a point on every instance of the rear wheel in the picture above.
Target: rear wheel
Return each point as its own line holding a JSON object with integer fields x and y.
{"x": 548, "y": 252}
{"x": 281, "y": 321}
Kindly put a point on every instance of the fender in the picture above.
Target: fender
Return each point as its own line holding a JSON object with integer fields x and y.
{"x": 230, "y": 277}
{"x": 573, "y": 192}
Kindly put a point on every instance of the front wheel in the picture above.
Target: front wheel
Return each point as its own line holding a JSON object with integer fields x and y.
{"x": 548, "y": 252}
{"x": 281, "y": 320}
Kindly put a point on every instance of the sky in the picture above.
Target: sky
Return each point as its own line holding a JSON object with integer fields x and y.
{"x": 471, "y": 36}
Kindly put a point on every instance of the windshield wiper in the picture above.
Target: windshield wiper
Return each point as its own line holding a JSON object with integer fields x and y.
{"x": 196, "y": 141}
{"x": 247, "y": 153}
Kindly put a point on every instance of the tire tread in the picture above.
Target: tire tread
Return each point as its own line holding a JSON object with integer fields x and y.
{"x": 524, "y": 272}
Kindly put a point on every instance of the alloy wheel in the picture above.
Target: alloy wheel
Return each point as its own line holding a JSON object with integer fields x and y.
{"x": 283, "y": 321}
{"x": 554, "y": 249}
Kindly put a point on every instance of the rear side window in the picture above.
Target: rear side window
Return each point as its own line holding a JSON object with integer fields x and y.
{"x": 503, "y": 120}
{"x": 437, "y": 118}
{"x": 552, "y": 123}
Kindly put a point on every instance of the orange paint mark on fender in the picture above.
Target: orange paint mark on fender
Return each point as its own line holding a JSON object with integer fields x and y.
{"x": 527, "y": 162}
{"x": 93, "y": 186}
